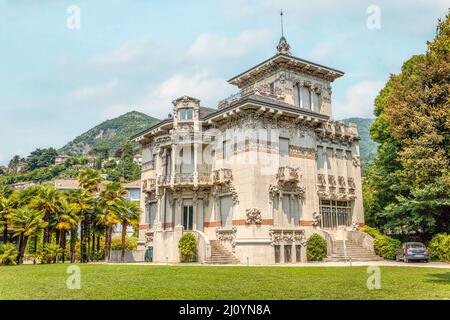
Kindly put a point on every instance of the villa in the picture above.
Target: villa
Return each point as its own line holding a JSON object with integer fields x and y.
{"x": 259, "y": 174}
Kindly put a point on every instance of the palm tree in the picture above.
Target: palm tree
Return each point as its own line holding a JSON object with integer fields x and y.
{"x": 89, "y": 180}
{"x": 6, "y": 211}
{"x": 67, "y": 219}
{"x": 110, "y": 201}
{"x": 83, "y": 205}
{"x": 27, "y": 222}
{"x": 129, "y": 215}
{"x": 47, "y": 200}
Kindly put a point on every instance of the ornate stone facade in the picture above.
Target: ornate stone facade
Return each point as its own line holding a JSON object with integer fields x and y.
{"x": 262, "y": 172}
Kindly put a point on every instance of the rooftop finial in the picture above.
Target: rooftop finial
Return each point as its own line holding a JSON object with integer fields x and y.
{"x": 282, "y": 27}
{"x": 283, "y": 46}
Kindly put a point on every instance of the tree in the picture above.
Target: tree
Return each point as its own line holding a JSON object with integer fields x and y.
{"x": 27, "y": 222}
{"x": 47, "y": 201}
{"x": 129, "y": 215}
{"x": 40, "y": 158}
{"x": 110, "y": 202}
{"x": 15, "y": 163}
{"x": 7, "y": 206}
{"x": 89, "y": 180}
{"x": 83, "y": 206}
{"x": 67, "y": 219}
{"x": 407, "y": 185}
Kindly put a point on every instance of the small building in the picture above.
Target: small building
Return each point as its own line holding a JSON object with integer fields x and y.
{"x": 23, "y": 185}
{"x": 61, "y": 159}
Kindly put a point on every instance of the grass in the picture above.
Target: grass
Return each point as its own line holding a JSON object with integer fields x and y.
{"x": 198, "y": 282}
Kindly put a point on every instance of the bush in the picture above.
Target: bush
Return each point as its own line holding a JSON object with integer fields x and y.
{"x": 188, "y": 247}
{"x": 386, "y": 247}
{"x": 8, "y": 254}
{"x": 130, "y": 243}
{"x": 439, "y": 247}
{"x": 370, "y": 231}
{"x": 316, "y": 248}
{"x": 50, "y": 252}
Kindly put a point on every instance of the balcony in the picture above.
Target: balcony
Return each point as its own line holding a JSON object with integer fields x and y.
{"x": 183, "y": 178}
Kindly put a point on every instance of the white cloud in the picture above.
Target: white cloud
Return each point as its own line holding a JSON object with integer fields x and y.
{"x": 359, "y": 100}
{"x": 215, "y": 47}
{"x": 320, "y": 52}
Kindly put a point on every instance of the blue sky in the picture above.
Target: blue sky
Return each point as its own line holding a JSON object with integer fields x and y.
{"x": 140, "y": 55}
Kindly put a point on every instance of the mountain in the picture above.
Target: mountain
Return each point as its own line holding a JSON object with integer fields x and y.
{"x": 367, "y": 147}
{"x": 111, "y": 134}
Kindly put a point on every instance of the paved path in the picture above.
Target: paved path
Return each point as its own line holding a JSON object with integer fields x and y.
{"x": 385, "y": 263}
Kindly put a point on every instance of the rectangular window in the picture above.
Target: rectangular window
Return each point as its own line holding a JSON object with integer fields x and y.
{"x": 188, "y": 216}
{"x": 287, "y": 253}
{"x": 135, "y": 194}
{"x": 227, "y": 149}
{"x": 298, "y": 253}
{"x": 284, "y": 147}
{"x": 320, "y": 159}
{"x": 335, "y": 213}
{"x": 277, "y": 249}
{"x": 348, "y": 161}
{"x": 151, "y": 213}
{"x": 306, "y": 98}
{"x": 185, "y": 114}
{"x": 340, "y": 162}
{"x": 329, "y": 159}
{"x": 226, "y": 211}
{"x": 285, "y": 205}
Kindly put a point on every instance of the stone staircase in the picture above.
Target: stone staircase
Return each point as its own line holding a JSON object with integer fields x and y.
{"x": 354, "y": 251}
{"x": 220, "y": 255}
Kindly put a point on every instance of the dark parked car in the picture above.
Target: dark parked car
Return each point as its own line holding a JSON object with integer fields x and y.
{"x": 413, "y": 251}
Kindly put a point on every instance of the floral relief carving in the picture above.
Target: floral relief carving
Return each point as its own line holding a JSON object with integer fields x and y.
{"x": 253, "y": 216}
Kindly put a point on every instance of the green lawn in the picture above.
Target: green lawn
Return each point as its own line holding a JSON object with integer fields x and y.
{"x": 198, "y": 282}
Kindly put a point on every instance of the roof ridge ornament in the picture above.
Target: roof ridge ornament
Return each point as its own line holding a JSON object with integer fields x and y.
{"x": 283, "y": 46}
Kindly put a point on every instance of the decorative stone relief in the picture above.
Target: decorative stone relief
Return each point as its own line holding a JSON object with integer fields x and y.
{"x": 316, "y": 219}
{"x": 287, "y": 236}
{"x": 287, "y": 181}
{"x": 149, "y": 238}
{"x": 226, "y": 234}
{"x": 253, "y": 216}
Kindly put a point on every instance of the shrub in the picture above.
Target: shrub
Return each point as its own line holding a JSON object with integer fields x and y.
{"x": 439, "y": 247}
{"x": 50, "y": 252}
{"x": 370, "y": 231}
{"x": 188, "y": 247}
{"x": 8, "y": 254}
{"x": 130, "y": 243}
{"x": 316, "y": 248}
{"x": 386, "y": 247}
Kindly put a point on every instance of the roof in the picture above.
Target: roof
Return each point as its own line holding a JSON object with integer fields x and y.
{"x": 67, "y": 184}
{"x": 132, "y": 185}
{"x": 282, "y": 59}
{"x": 204, "y": 113}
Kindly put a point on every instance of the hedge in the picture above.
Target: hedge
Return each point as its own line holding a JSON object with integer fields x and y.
{"x": 439, "y": 247}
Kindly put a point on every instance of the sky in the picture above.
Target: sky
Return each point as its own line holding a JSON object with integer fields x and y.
{"x": 66, "y": 66}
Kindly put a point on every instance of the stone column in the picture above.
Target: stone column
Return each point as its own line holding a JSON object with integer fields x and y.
{"x": 195, "y": 173}
{"x": 174, "y": 159}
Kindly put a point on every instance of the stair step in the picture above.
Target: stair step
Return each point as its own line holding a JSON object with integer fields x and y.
{"x": 220, "y": 254}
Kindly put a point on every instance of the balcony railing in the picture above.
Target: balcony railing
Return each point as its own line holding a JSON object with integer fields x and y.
{"x": 184, "y": 178}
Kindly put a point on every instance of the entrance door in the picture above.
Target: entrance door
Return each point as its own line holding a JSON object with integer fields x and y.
{"x": 188, "y": 216}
